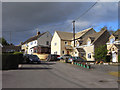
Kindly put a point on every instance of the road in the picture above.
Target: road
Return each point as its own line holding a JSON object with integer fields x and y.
{"x": 56, "y": 75}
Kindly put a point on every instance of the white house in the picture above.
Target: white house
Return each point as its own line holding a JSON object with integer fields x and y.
{"x": 39, "y": 43}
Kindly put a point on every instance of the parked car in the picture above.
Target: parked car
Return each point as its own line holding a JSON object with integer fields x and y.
{"x": 53, "y": 57}
{"x": 34, "y": 59}
{"x": 76, "y": 59}
{"x": 66, "y": 56}
{"x": 31, "y": 59}
{"x": 26, "y": 58}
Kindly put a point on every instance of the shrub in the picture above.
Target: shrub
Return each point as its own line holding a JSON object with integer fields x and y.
{"x": 11, "y": 60}
{"x": 17, "y": 53}
{"x": 100, "y": 53}
{"x": 119, "y": 58}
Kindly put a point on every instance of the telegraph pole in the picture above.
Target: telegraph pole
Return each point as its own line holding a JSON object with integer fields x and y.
{"x": 74, "y": 32}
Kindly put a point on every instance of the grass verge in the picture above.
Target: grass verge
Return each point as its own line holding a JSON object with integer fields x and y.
{"x": 117, "y": 74}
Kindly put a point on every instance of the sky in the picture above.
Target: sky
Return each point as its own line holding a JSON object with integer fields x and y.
{"x": 21, "y": 20}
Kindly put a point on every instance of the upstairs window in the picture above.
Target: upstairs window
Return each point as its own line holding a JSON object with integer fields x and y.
{"x": 47, "y": 42}
{"x": 63, "y": 52}
{"x": 55, "y": 44}
{"x": 116, "y": 38}
{"x": 112, "y": 40}
{"x": 31, "y": 43}
{"x": 35, "y": 42}
{"x": 88, "y": 43}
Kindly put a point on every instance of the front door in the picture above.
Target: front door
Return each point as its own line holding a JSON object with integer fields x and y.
{"x": 67, "y": 52}
{"x": 114, "y": 57}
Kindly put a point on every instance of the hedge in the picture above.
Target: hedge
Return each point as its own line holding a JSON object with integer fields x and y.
{"x": 11, "y": 60}
{"x": 119, "y": 58}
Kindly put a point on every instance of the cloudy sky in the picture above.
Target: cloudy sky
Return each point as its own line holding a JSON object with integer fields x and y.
{"x": 23, "y": 19}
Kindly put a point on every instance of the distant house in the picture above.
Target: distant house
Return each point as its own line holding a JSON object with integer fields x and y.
{"x": 39, "y": 43}
{"x": 113, "y": 46}
{"x": 92, "y": 41}
{"x": 11, "y": 48}
{"x": 63, "y": 43}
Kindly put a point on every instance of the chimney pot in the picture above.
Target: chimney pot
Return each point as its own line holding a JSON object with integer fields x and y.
{"x": 38, "y": 32}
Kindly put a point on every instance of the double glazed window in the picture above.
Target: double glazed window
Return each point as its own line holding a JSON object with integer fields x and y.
{"x": 88, "y": 43}
{"x": 112, "y": 40}
{"x": 55, "y": 44}
{"x": 89, "y": 55}
{"x": 47, "y": 42}
{"x": 63, "y": 52}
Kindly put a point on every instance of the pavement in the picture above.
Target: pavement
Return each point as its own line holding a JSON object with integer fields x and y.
{"x": 56, "y": 75}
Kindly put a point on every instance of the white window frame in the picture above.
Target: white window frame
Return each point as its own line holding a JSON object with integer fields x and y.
{"x": 88, "y": 43}
{"x": 89, "y": 55}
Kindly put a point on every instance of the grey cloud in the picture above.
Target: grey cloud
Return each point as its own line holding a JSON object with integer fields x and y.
{"x": 50, "y": 16}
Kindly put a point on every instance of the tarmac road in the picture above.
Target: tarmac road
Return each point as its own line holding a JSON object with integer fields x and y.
{"x": 56, "y": 75}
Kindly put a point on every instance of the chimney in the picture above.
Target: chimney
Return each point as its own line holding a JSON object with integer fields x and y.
{"x": 38, "y": 33}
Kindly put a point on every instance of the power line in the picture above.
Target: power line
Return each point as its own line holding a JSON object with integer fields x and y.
{"x": 85, "y": 11}
{"x": 61, "y": 23}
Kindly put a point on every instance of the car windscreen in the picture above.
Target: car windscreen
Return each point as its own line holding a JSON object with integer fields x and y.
{"x": 33, "y": 56}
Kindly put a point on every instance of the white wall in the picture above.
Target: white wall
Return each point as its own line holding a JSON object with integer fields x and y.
{"x": 56, "y": 48}
{"x": 31, "y": 45}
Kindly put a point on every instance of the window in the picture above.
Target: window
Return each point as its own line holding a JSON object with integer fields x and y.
{"x": 47, "y": 42}
{"x": 35, "y": 51}
{"x": 116, "y": 38}
{"x": 75, "y": 52}
{"x": 31, "y": 43}
{"x": 112, "y": 40}
{"x": 26, "y": 45}
{"x": 65, "y": 43}
{"x": 63, "y": 52}
{"x": 55, "y": 44}
{"x": 55, "y": 52}
{"x": 89, "y": 55}
{"x": 88, "y": 43}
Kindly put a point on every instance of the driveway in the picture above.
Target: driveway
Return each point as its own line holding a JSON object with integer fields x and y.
{"x": 57, "y": 75}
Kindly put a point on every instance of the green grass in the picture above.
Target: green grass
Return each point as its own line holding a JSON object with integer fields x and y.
{"x": 117, "y": 74}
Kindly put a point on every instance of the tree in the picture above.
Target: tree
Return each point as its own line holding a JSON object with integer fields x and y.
{"x": 3, "y": 41}
{"x": 104, "y": 28}
{"x": 100, "y": 53}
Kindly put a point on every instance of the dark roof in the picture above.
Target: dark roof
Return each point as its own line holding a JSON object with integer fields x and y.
{"x": 93, "y": 37}
{"x": 116, "y": 34}
{"x": 11, "y": 47}
{"x": 117, "y": 45}
{"x": 33, "y": 38}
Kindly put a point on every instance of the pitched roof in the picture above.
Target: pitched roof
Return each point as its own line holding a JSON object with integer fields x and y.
{"x": 11, "y": 47}
{"x": 117, "y": 45}
{"x": 81, "y": 33}
{"x": 69, "y": 35}
{"x": 116, "y": 34}
{"x": 33, "y": 38}
{"x": 93, "y": 37}
{"x": 65, "y": 35}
